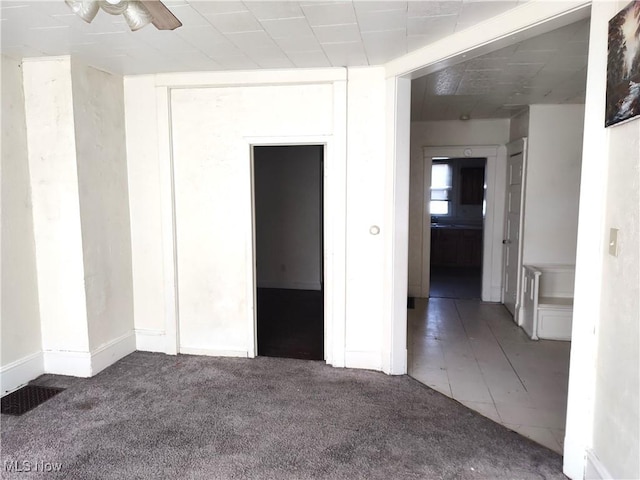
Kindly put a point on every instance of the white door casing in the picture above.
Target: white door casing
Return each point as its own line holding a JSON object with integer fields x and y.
{"x": 492, "y": 229}
{"x": 513, "y": 226}
{"x": 334, "y": 236}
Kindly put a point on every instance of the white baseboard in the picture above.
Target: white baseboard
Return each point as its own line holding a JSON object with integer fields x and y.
{"x": 394, "y": 365}
{"x": 87, "y": 364}
{"x": 110, "y": 352}
{"x": 365, "y": 360}
{"x": 16, "y": 374}
{"x": 211, "y": 352}
{"x": 151, "y": 340}
{"x": 291, "y": 285}
{"x": 75, "y": 364}
{"x": 594, "y": 469}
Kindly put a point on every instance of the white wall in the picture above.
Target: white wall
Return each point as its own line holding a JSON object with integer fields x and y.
{"x": 288, "y": 216}
{"x": 457, "y": 132}
{"x": 145, "y": 198}
{"x": 213, "y": 198}
{"x": 56, "y": 210}
{"x": 553, "y": 183}
{"x": 77, "y": 166}
{"x": 604, "y": 398}
{"x": 20, "y": 325}
{"x": 519, "y": 126}
{"x": 444, "y": 133}
{"x": 206, "y": 156}
{"x": 617, "y": 401}
{"x": 98, "y": 109}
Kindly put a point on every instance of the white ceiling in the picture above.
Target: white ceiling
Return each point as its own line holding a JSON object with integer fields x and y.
{"x": 228, "y": 35}
{"x": 548, "y": 69}
{"x": 233, "y": 35}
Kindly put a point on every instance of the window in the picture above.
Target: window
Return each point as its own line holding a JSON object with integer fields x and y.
{"x": 441, "y": 175}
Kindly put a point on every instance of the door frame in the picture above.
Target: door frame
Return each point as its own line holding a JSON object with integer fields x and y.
{"x": 525, "y": 21}
{"x": 514, "y": 148}
{"x": 495, "y": 171}
{"x": 334, "y": 201}
{"x": 326, "y": 257}
{"x": 253, "y": 336}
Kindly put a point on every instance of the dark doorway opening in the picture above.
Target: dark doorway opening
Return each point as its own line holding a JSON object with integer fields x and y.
{"x": 288, "y": 197}
{"x": 458, "y": 207}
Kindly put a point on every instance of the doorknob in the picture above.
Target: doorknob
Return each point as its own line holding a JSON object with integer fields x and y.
{"x": 506, "y": 242}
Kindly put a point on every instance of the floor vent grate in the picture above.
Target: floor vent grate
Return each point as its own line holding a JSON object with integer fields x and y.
{"x": 27, "y": 398}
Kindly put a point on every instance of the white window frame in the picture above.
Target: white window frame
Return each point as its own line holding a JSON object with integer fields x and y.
{"x": 450, "y": 202}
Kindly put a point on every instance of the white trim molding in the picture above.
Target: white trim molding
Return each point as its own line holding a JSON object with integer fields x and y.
{"x": 167, "y": 199}
{"x": 150, "y": 340}
{"x": 75, "y": 364}
{"x": 212, "y": 352}
{"x": 396, "y": 220}
{"x": 514, "y": 25}
{"x": 88, "y": 364}
{"x": 334, "y": 239}
{"x": 250, "y": 78}
{"x": 594, "y": 469}
{"x": 110, "y": 352}
{"x": 16, "y": 374}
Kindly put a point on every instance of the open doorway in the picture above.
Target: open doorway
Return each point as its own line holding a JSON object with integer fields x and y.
{"x": 288, "y": 221}
{"x": 468, "y": 349}
{"x": 457, "y": 208}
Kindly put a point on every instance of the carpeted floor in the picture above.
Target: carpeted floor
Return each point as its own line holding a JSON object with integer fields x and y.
{"x": 156, "y": 416}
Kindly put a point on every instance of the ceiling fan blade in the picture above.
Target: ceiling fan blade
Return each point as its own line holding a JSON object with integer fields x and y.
{"x": 163, "y": 19}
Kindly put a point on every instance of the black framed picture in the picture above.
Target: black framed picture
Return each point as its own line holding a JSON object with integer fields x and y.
{"x": 623, "y": 66}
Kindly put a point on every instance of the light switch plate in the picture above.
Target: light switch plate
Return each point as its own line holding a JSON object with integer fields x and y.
{"x": 613, "y": 242}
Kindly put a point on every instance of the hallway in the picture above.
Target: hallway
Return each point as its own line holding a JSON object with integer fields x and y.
{"x": 473, "y": 352}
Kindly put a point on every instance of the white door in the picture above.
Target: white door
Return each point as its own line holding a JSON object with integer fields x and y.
{"x": 513, "y": 225}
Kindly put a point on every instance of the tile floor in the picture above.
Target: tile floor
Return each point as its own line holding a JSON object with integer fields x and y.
{"x": 473, "y": 352}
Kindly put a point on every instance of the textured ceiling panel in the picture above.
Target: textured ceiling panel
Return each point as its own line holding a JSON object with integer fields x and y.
{"x": 236, "y": 35}
{"x": 547, "y": 69}
{"x": 230, "y": 34}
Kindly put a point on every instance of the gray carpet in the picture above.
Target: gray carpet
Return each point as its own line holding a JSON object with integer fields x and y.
{"x": 157, "y": 416}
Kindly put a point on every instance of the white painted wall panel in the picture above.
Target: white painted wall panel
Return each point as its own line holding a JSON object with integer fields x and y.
{"x": 141, "y": 120}
{"x": 56, "y": 210}
{"x": 553, "y": 183}
{"x": 20, "y": 324}
{"x": 98, "y": 107}
{"x": 213, "y": 197}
